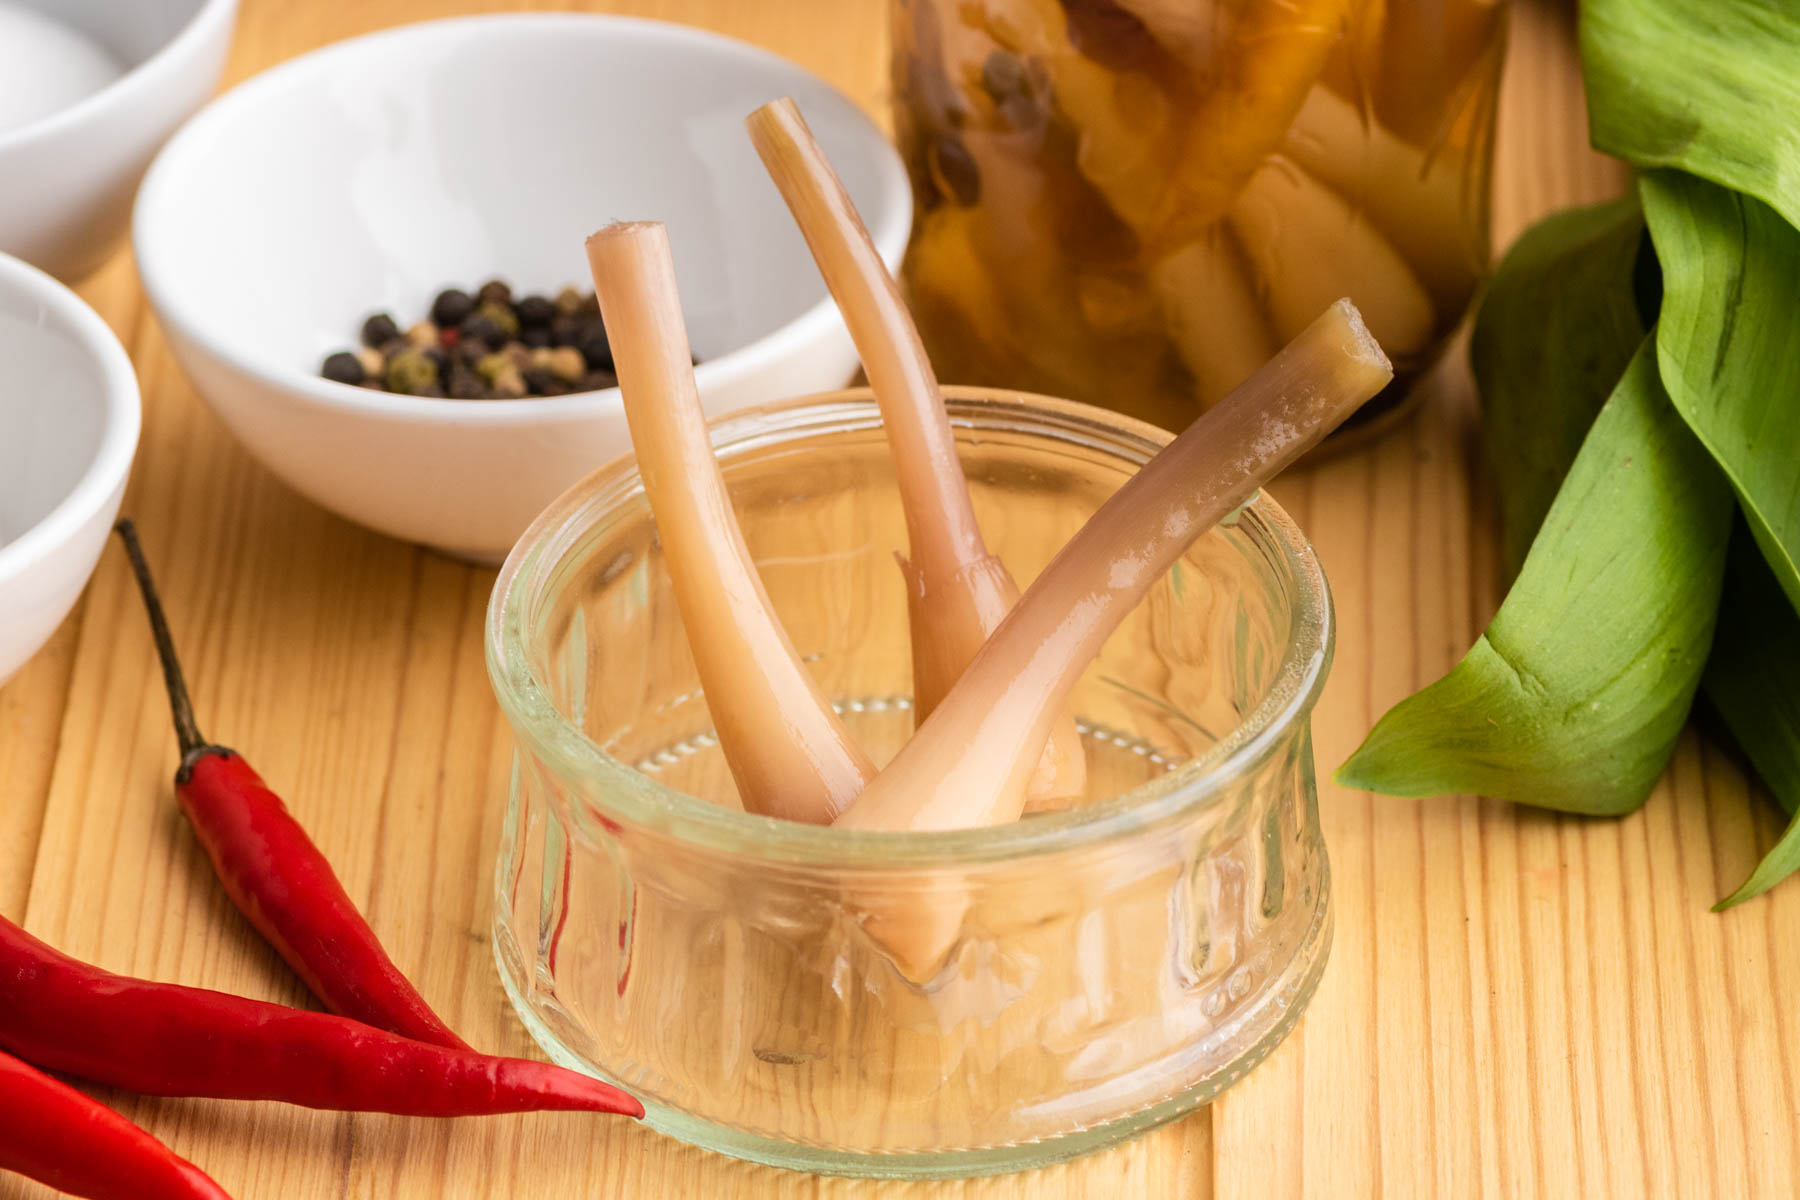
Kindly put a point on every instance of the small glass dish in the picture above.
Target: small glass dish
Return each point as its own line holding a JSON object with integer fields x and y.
{"x": 1120, "y": 963}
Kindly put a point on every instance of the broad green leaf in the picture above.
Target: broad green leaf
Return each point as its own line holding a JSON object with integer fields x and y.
{"x": 1753, "y": 679}
{"x": 1728, "y": 345}
{"x": 1556, "y": 327}
{"x": 1710, "y": 86}
{"x": 1574, "y": 696}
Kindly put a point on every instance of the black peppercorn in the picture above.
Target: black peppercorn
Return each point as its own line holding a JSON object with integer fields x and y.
{"x": 1019, "y": 88}
{"x": 953, "y": 169}
{"x": 545, "y": 383}
{"x": 482, "y": 328}
{"x": 594, "y": 346}
{"x": 379, "y": 330}
{"x": 451, "y": 306}
{"x": 534, "y": 311}
{"x": 343, "y": 367}
{"x": 465, "y": 384}
{"x": 494, "y": 291}
{"x": 536, "y": 337}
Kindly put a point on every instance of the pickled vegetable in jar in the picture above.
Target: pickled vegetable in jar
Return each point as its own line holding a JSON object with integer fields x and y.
{"x": 1134, "y": 202}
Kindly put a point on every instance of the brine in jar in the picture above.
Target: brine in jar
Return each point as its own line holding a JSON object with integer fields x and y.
{"x": 1134, "y": 202}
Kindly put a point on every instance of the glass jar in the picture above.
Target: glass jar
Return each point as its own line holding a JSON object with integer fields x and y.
{"x": 1133, "y": 203}
{"x": 1119, "y": 962}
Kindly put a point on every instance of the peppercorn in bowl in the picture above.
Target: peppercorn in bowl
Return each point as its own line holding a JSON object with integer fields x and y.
{"x": 376, "y": 176}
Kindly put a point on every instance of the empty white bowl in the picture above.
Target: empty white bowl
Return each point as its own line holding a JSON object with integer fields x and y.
{"x": 68, "y": 429}
{"x": 66, "y": 177}
{"x": 371, "y": 174}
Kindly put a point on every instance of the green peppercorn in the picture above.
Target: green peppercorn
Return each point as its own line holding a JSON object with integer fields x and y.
{"x": 412, "y": 373}
{"x": 502, "y": 316}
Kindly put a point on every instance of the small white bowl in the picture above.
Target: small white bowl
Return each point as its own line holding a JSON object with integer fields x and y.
{"x": 66, "y": 178}
{"x": 371, "y": 174}
{"x": 68, "y": 429}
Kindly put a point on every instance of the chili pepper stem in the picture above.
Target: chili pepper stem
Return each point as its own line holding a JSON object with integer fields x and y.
{"x": 187, "y": 730}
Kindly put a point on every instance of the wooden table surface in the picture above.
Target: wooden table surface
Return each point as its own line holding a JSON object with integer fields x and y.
{"x": 1517, "y": 1003}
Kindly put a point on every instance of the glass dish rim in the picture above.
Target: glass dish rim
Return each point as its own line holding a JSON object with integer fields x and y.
{"x": 629, "y": 796}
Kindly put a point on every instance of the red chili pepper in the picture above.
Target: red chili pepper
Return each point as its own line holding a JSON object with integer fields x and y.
{"x": 163, "y": 1039}
{"x": 272, "y": 870}
{"x": 52, "y": 1133}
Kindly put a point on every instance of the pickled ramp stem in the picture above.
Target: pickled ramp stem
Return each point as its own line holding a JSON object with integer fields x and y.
{"x": 788, "y": 752}
{"x": 940, "y": 524}
{"x": 957, "y": 593}
{"x": 968, "y": 763}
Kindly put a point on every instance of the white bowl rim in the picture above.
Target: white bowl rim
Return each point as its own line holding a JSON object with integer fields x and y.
{"x": 889, "y": 233}
{"x": 198, "y": 27}
{"x": 118, "y": 438}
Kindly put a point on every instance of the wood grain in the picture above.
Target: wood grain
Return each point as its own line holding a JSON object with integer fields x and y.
{"x": 1518, "y": 1004}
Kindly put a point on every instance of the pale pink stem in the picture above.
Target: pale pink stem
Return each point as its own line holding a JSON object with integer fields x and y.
{"x": 788, "y": 751}
{"x": 969, "y": 763}
{"x": 957, "y": 592}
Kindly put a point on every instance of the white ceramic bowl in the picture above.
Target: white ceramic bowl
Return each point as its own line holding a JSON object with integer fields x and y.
{"x": 370, "y": 174}
{"x": 68, "y": 428}
{"x": 66, "y": 178}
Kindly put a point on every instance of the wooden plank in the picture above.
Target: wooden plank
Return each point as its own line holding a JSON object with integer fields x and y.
{"x": 1517, "y": 1003}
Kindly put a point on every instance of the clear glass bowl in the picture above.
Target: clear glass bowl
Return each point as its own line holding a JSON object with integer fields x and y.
{"x": 1120, "y": 962}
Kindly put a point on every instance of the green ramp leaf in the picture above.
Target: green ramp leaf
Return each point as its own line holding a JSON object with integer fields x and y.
{"x": 1753, "y": 679}
{"x": 1728, "y": 345}
{"x": 1556, "y": 326}
{"x": 1711, "y": 86}
{"x": 1574, "y": 696}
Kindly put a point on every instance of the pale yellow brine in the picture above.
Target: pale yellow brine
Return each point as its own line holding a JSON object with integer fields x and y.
{"x": 1134, "y": 202}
